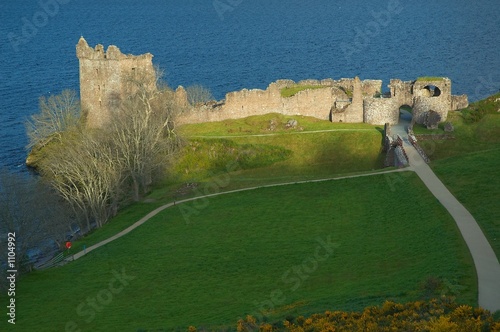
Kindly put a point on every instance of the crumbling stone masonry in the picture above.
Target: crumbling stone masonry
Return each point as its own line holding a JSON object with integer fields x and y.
{"x": 345, "y": 100}
{"x": 105, "y": 77}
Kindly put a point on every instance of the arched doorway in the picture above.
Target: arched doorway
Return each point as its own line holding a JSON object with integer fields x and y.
{"x": 405, "y": 113}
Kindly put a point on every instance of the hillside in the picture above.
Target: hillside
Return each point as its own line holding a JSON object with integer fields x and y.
{"x": 262, "y": 252}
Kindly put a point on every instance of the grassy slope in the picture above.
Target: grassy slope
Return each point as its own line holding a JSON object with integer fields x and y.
{"x": 231, "y": 256}
{"x": 473, "y": 179}
{"x": 345, "y": 152}
{"x": 468, "y": 174}
{"x": 353, "y": 148}
{"x": 468, "y": 165}
{"x": 260, "y": 125}
{"x": 469, "y": 138}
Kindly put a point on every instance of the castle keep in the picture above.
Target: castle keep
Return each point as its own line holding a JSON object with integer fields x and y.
{"x": 105, "y": 81}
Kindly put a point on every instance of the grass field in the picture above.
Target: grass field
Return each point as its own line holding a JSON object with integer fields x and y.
{"x": 287, "y": 155}
{"x": 474, "y": 180}
{"x": 468, "y": 166}
{"x": 211, "y": 262}
{"x": 214, "y": 261}
{"x": 316, "y": 149}
{"x": 470, "y": 137}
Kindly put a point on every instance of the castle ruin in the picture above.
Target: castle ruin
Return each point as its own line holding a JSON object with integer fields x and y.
{"x": 105, "y": 77}
{"x": 347, "y": 100}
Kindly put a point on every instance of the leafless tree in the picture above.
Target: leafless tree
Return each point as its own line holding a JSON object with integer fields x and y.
{"x": 85, "y": 173}
{"x": 198, "y": 94}
{"x": 58, "y": 113}
{"x": 143, "y": 132}
{"x": 91, "y": 169}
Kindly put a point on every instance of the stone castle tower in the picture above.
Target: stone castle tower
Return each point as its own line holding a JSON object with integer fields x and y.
{"x": 105, "y": 78}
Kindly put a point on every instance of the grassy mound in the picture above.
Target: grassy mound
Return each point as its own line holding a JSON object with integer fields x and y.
{"x": 310, "y": 151}
{"x": 313, "y": 149}
{"x": 260, "y": 252}
{"x": 203, "y": 157}
{"x": 261, "y": 124}
{"x": 430, "y": 78}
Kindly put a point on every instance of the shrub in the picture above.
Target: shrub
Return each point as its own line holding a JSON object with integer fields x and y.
{"x": 433, "y": 315}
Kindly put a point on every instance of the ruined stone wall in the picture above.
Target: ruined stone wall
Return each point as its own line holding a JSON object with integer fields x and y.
{"x": 380, "y": 111}
{"x": 105, "y": 79}
{"x": 459, "y": 102}
{"x": 371, "y": 87}
{"x": 333, "y": 101}
{"x": 422, "y": 88}
{"x": 354, "y": 112}
{"x": 402, "y": 91}
{"x": 438, "y": 105}
{"x": 312, "y": 102}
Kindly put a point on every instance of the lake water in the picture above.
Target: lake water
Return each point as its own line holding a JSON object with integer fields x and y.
{"x": 228, "y": 45}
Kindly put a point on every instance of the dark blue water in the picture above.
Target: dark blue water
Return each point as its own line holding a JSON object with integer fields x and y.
{"x": 229, "y": 45}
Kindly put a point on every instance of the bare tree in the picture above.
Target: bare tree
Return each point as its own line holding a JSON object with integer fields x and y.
{"x": 198, "y": 94}
{"x": 90, "y": 168}
{"x": 58, "y": 113}
{"x": 85, "y": 173}
{"x": 143, "y": 132}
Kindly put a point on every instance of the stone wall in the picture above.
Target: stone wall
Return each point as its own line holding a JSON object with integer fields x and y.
{"x": 312, "y": 102}
{"x": 354, "y": 112}
{"x": 402, "y": 91}
{"x": 105, "y": 79}
{"x": 459, "y": 102}
{"x": 381, "y": 110}
{"x": 344, "y": 100}
{"x": 422, "y": 105}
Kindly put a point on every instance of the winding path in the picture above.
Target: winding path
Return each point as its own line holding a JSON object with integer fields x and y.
{"x": 485, "y": 260}
{"x": 166, "y": 206}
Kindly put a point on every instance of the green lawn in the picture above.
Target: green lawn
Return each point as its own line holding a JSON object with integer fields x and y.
{"x": 210, "y": 262}
{"x": 280, "y": 155}
{"x": 468, "y": 166}
{"x": 287, "y": 155}
{"x": 214, "y": 261}
{"x": 469, "y": 138}
{"x": 474, "y": 180}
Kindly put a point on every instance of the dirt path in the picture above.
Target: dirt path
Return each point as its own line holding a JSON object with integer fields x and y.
{"x": 485, "y": 260}
{"x": 282, "y": 133}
